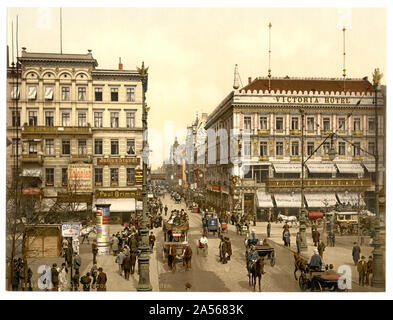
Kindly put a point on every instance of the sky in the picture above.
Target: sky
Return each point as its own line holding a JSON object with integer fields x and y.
{"x": 191, "y": 52}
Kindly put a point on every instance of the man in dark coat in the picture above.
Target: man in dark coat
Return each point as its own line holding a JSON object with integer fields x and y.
{"x": 369, "y": 270}
{"x": 127, "y": 266}
{"x": 356, "y": 253}
{"x": 94, "y": 250}
{"x": 68, "y": 256}
{"x": 55, "y": 277}
{"x": 152, "y": 239}
{"x": 101, "y": 280}
{"x": 85, "y": 281}
{"x": 269, "y": 228}
{"x": 166, "y": 210}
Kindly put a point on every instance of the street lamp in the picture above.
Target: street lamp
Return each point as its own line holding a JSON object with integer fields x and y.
{"x": 143, "y": 260}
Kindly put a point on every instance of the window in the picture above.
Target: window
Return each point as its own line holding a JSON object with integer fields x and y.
{"x": 247, "y": 148}
{"x": 114, "y": 146}
{"x": 32, "y": 118}
{"x": 49, "y": 176}
{"x": 326, "y": 124}
{"x": 49, "y": 118}
{"x": 247, "y": 123}
{"x": 64, "y": 176}
{"x": 32, "y": 93}
{"x": 341, "y": 148}
{"x": 356, "y": 124}
{"x": 114, "y": 119}
{"x": 98, "y": 94}
{"x": 49, "y": 93}
{"x": 131, "y": 146}
{"x": 98, "y": 119}
{"x": 66, "y": 147}
{"x": 263, "y": 123}
{"x": 356, "y": 149}
{"x": 279, "y": 148}
{"x": 341, "y": 124}
{"x": 295, "y": 123}
{"x": 295, "y": 148}
{"x": 279, "y": 123}
{"x": 33, "y": 147}
{"x": 82, "y": 119}
{"x": 310, "y": 123}
{"x": 65, "y": 119}
{"x": 130, "y": 119}
{"x": 82, "y": 146}
{"x": 98, "y": 176}
{"x": 50, "y": 147}
{"x": 15, "y": 118}
{"x": 82, "y": 93}
{"x": 130, "y": 94}
{"x": 114, "y": 176}
{"x": 310, "y": 148}
{"x": 371, "y": 124}
{"x": 98, "y": 146}
{"x": 371, "y": 147}
{"x": 114, "y": 94}
{"x": 16, "y": 146}
{"x": 65, "y": 93}
{"x": 326, "y": 148}
{"x": 130, "y": 176}
{"x": 263, "y": 149}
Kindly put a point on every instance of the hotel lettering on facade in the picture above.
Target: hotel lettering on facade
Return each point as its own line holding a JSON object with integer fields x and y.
{"x": 268, "y": 177}
{"x": 74, "y": 120}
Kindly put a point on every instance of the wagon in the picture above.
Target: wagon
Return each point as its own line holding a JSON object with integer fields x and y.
{"x": 213, "y": 226}
{"x": 319, "y": 281}
{"x": 176, "y": 235}
{"x": 265, "y": 251}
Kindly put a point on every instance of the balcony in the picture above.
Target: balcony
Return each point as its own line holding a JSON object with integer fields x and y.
{"x": 357, "y": 132}
{"x": 295, "y": 132}
{"x": 87, "y": 158}
{"x": 326, "y": 132}
{"x": 263, "y": 158}
{"x": 263, "y": 132}
{"x": 42, "y": 130}
{"x": 31, "y": 158}
{"x": 334, "y": 183}
{"x": 295, "y": 158}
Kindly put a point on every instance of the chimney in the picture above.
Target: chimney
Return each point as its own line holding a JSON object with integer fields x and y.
{"x": 249, "y": 80}
{"x": 120, "y": 64}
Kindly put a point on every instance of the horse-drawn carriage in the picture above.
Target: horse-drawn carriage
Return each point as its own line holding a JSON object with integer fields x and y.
{"x": 319, "y": 280}
{"x": 263, "y": 249}
{"x": 211, "y": 225}
{"x": 175, "y": 243}
{"x": 242, "y": 229}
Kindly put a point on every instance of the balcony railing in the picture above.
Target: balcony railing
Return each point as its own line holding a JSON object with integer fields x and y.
{"x": 31, "y": 158}
{"x": 55, "y": 130}
{"x": 319, "y": 183}
{"x": 295, "y": 132}
{"x": 263, "y": 132}
{"x": 264, "y": 158}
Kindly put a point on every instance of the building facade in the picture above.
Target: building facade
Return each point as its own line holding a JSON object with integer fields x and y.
{"x": 82, "y": 123}
{"x": 266, "y": 124}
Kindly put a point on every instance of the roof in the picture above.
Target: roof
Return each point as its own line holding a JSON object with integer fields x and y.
{"x": 36, "y": 56}
{"x": 309, "y": 85}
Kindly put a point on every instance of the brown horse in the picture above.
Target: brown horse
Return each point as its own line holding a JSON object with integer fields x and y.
{"x": 133, "y": 261}
{"x": 187, "y": 255}
{"x": 256, "y": 270}
{"x": 300, "y": 264}
{"x": 171, "y": 257}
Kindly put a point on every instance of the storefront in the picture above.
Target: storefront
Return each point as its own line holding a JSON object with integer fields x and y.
{"x": 288, "y": 204}
{"x": 264, "y": 205}
{"x": 318, "y": 201}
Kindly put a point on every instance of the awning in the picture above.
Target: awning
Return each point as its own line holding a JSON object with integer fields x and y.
{"x": 287, "y": 200}
{"x": 321, "y": 167}
{"x": 264, "y": 200}
{"x": 352, "y": 198}
{"x": 29, "y": 172}
{"x": 287, "y": 167}
{"x": 350, "y": 168}
{"x": 49, "y": 93}
{"x": 320, "y": 200}
{"x": 117, "y": 205}
{"x": 45, "y": 205}
{"x": 32, "y": 94}
{"x": 371, "y": 167}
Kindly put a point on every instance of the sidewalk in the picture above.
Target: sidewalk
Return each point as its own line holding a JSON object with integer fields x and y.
{"x": 340, "y": 255}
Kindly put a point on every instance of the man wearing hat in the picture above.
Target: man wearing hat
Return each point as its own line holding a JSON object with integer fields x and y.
{"x": 252, "y": 257}
{"x": 370, "y": 266}
{"x": 101, "y": 280}
{"x": 355, "y": 253}
{"x": 315, "y": 261}
{"x": 362, "y": 269}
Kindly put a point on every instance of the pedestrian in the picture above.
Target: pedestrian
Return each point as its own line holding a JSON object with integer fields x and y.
{"x": 119, "y": 260}
{"x": 63, "y": 278}
{"x": 94, "y": 274}
{"x": 68, "y": 256}
{"x": 77, "y": 263}
{"x": 64, "y": 247}
{"x": 29, "y": 276}
{"x": 356, "y": 253}
{"x": 370, "y": 267}
{"x": 94, "y": 250}
{"x": 127, "y": 266}
{"x": 75, "y": 244}
{"x": 166, "y": 210}
{"x": 101, "y": 280}
{"x": 75, "y": 281}
{"x": 315, "y": 236}
{"x": 286, "y": 236}
{"x": 55, "y": 277}
{"x": 85, "y": 281}
{"x": 115, "y": 244}
{"x": 269, "y": 228}
{"x": 152, "y": 239}
{"x": 321, "y": 248}
{"x": 315, "y": 261}
{"x": 298, "y": 242}
{"x": 362, "y": 270}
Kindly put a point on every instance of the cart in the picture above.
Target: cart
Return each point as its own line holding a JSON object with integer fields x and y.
{"x": 213, "y": 226}
{"x": 203, "y": 248}
{"x": 175, "y": 235}
{"x": 319, "y": 281}
{"x": 265, "y": 251}
{"x": 224, "y": 227}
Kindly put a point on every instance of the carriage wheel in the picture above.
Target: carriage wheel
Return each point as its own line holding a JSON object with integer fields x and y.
{"x": 272, "y": 261}
{"x": 303, "y": 282}
{"x": 316, "y": 286}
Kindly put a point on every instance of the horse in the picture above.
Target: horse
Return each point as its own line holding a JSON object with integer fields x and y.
{"x": 133, "y": 261}
{"x": 172, "y": 257}
{"x": 300, "y": 264}
{"x": 256, "y": 270}
{"x": 187, "y": 255}
{"x": 286, "y": 219}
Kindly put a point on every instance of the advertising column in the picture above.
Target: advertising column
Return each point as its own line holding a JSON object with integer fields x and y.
{"x": 103, "y": 236}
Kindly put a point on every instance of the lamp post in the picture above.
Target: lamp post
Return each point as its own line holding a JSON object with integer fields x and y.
{"x": 143, "y": 260}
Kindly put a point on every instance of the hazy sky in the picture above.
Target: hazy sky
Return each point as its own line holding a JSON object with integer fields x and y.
{"x": 191, "y": 52}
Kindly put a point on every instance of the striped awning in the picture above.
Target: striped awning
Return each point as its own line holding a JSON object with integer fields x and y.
{"x": 288, "y": 200}
{"x": 320, "y": 199}
{"x": 264, "y": 200}
{"x": 355, "y": 168}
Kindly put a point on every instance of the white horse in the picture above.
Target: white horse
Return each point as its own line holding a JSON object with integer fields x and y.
{"x": 286, "y": 219}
